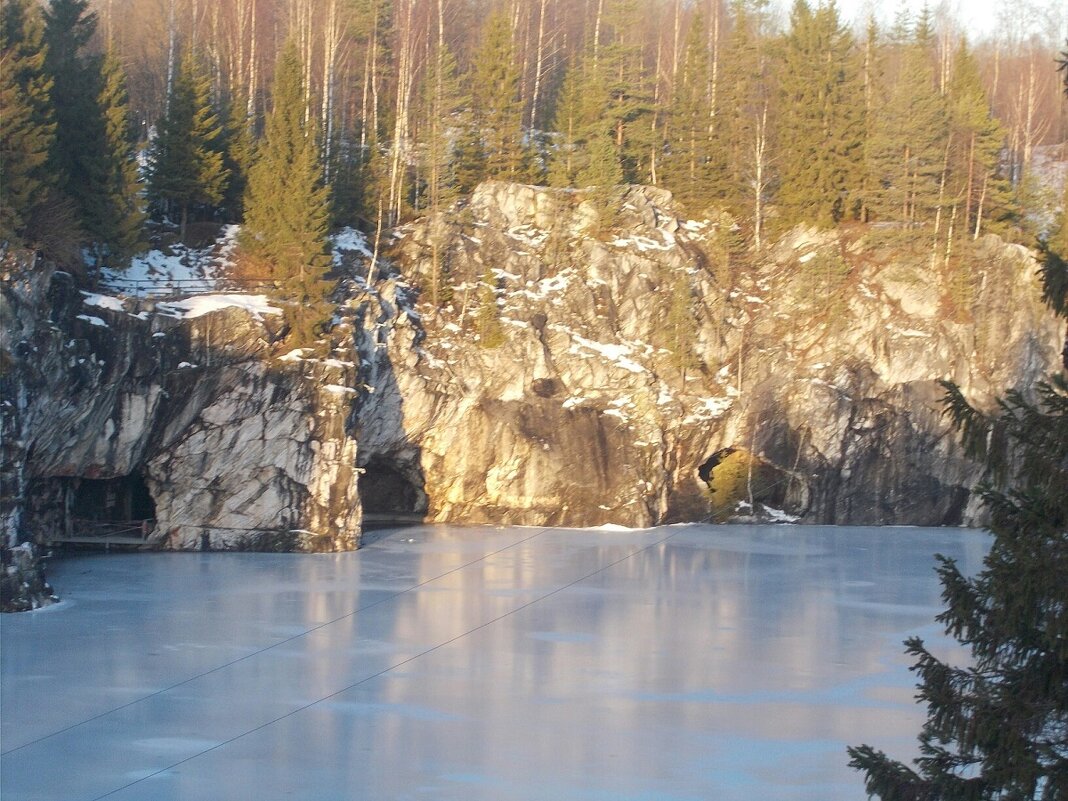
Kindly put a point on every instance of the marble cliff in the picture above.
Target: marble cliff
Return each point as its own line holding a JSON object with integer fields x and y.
{"x": 589, "y": 360}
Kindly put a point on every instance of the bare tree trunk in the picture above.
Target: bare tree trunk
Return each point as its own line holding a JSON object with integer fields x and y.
{"x": 172, "y": 49}
{"x": 597, "y": 33}
{"x": 760, "y": 147}
{"x": 979, "y": 210}
{"x": 253, "y": 71}
{"x": 949, "y": 236}
{"x": 539, "y": 62}
{"x": 676, "y": 31}
{"x": 941, "y": 195}
{"x": 331, "y": 43}
{"x": 969, "y": 190}
{"x": 713, "y": 73}
{"x": 400, "y": 144}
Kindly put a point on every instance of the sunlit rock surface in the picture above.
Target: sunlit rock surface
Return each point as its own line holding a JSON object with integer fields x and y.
{"x": 635, "y": 352}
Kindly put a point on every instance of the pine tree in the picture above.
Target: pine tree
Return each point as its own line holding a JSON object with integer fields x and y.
{"x": 498, "y": 111}
{"x": 821, "y": 117}
{"x": 187, "y": 174}
{"x": 287, "y": 207}
{"x": 998, "y": 729}
{"x": 27, "y": 129}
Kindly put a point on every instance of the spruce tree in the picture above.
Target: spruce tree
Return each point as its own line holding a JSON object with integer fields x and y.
{"x": 69, "y": 26}
{"x": 618, "y": 72}
{"x": 187, "y": 174}
{"x": 686, "y": 169}
{"x": 236, "y": 144}
{"x": 740, "y": 65}
{"x": 976, "y": 139}
{"x": 906, "y": 154}
{"x": 821, "y": 119}
{"x": 287, "y": 207}
{"x": 445, "y": 102}
{"x": 27, "y": 129}
{"x": 91, "y": 153}
{"x": 498, "y": 111}
{"x": 577, "y": 119}
{"x": 118, "y": 218}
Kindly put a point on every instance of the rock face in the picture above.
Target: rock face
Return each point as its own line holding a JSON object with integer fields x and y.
{"x": 180, "y": 410}
{"x": 630, "y": 348}
{"x": 589, "y": 360}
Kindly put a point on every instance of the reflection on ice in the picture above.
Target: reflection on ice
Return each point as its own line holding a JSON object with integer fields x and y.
{"x": 449, "y": 663}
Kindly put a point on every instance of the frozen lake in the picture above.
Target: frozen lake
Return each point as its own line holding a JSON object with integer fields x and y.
{"x": 687, "y": 662}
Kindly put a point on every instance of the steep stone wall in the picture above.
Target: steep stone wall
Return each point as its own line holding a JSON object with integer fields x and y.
{"x": 238, "y": 448}
{"x": 589, "y": 362}
{"x": 635, "y": 347}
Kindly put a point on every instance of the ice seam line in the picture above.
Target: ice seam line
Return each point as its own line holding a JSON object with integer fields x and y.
{"x": 269, "y": 647}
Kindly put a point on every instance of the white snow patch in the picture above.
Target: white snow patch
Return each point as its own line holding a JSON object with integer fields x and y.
{"x": 295, "y": 355}
{"x": 184, "y": 365}
{"x": 573, "y": 401}
{"x": 349, "y": 240}
{"x": 103, "y": 301}
{"x": 199, "y": 305}
{"x": 910, "y": 332}
{"x": 644, "y": 243}
{"x": 617, "y": 354}
{"x": 807, "y": 257}
{"x": 709, "y": 409}
{"x": 337, "y": 389}
{"x": 779, "y": 516}
{"x": 92, "y": 320}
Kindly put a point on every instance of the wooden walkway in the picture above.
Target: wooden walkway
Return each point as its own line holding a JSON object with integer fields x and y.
{"x": 105, "y": 533}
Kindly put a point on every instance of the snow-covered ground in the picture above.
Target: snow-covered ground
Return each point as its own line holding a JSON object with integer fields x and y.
{"x": 179, "y": 270}
{"x": 686, "y": 662}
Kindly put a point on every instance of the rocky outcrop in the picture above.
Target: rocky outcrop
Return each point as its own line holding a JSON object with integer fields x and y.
{"x": 534, "y": 356}
{"x": 234, "y": 447}
{"x": 632, "y": 347}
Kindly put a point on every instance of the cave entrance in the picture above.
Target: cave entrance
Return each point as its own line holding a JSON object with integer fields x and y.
{"x": 390, "y": 494}
{"x": 123, "y": 499}
{"x": 739, "y": 481}
{"x": 112, "y": 511}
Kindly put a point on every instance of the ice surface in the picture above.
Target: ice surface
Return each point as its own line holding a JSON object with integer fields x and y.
{"x": 687, "y": 662}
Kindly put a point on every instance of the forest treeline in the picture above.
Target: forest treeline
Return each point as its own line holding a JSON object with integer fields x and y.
{"x": 304, "y": 113}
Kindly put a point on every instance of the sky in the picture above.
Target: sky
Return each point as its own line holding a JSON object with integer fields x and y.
{"x": 981, "y": 18}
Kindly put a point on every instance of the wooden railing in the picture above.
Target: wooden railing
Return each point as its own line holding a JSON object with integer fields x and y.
{"x": 105, "y": 532}
{"x": 179, "y": 288}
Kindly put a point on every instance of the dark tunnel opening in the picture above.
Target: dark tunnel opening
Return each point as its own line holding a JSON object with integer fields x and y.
{"x": 124, "y": 499}
{"x": 387, "y": 493}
